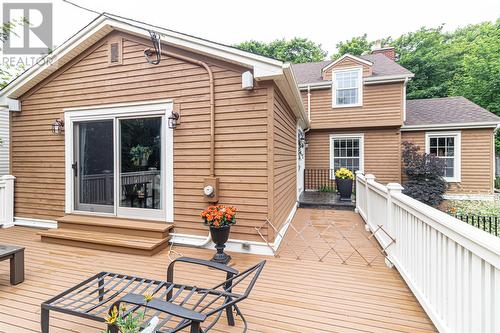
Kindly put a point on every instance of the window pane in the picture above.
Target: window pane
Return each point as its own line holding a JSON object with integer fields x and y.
{"x": 441, "y": 141}
{"x": 450, "y": 142}
{"x": 433, "y": 142}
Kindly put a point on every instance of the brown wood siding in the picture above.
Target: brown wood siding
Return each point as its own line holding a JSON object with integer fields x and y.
{"x": 346, "y": 63}
{"x": 477, "y": 154}
{"x": 285, "y": 160}
{"x": 382, "y": 106}
{"x": 382, "y": 153}
{"x": 241, "y": 132}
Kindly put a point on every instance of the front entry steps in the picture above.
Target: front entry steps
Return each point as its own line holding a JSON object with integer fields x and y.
{"x": 110, "y": 234}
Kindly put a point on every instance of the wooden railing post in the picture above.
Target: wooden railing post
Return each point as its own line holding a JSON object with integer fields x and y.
{"x": 369, "y": 180}
{"x": 8, "y": 201}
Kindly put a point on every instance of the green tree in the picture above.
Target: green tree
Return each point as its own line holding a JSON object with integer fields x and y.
{"x": 7, "y": 72}
{"x": 355, "y": 46}
{"x": 296, "y": 51}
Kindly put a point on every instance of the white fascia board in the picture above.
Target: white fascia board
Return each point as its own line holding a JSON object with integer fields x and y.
{"x": 408, "y": 128}
{"x": 263, "y": 67}
{"x": 290, "y": 88}
{"x": 347, "y": 55}
{"x": 315, "y": 85}
{"x": 98, "y": 25}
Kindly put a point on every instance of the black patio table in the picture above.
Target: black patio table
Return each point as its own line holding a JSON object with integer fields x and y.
{"x": 16, "y": 256}
{"x": 93, "y": 297}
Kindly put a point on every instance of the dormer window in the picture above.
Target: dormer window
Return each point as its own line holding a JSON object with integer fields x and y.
{"x": 347, "y": 87}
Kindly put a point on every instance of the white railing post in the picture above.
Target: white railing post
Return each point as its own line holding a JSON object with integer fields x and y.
{"x": 392, "y": 188}
{"x": 8, "y": 201}
{"x": 358, "y": 187}
{"x": 369, "y": 180}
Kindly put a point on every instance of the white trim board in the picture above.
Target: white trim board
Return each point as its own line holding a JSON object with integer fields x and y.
{"x": 457, "y": 149}
{"x": 360, "y": 136}
{"x": 112, "y": 111}
{"x": 347, "y": 55}
{"x": 35, "y": 223}
{"x": 238, "y": 245}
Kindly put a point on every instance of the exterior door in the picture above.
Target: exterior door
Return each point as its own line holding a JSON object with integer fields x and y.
{"x": 93, "y": 167}
{"x": 141, "y": 183}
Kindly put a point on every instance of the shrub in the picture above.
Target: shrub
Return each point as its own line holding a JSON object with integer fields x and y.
{"x": 424, "y": 171}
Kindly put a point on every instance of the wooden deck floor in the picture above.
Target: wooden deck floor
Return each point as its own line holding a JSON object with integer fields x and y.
{"x": 291, "y": 295}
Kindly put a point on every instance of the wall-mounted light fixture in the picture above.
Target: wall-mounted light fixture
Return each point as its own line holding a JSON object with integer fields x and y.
{"x": 173, "y": 120}
{"x": 57, "y": 126}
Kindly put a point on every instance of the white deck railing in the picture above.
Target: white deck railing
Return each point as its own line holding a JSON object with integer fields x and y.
{"x": 452, "y": 268}
{"x": 6, "y": 201}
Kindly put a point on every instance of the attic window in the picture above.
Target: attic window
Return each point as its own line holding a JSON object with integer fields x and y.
{"x": 115, "y": 53}
{"x": 347, "y": 87}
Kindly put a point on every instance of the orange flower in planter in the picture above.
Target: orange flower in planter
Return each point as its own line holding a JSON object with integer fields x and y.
{"x": 219, "y": 216}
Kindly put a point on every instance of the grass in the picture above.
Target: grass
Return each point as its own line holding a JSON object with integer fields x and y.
{"x": 472, "y": 207}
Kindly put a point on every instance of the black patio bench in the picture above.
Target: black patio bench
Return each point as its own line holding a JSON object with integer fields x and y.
{"x": 175, "y": 306}
{"x": 16, "y": 256}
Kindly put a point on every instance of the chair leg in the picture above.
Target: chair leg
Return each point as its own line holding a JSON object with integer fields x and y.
{"x": 230, "y": 316}
{"x": 44, "y": 320}
{"x": 195, "y": 327}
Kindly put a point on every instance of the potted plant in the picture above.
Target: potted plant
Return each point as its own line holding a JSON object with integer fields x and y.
{"x": 220, "y": 218}
{"x": 140, "y": 155}
{"x": 343, "y": 178}
{"x": 119, "y": 322}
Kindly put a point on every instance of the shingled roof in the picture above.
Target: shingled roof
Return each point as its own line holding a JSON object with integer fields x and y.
{"x": 447, "y": 110}
{"x": 382, "y": 66}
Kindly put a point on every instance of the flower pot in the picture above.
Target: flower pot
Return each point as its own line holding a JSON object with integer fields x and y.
{"x": 344, "y": 187}
{"x": 220, "y": 237}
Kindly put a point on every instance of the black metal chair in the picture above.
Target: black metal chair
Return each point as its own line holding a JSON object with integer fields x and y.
{"x": 181, "y": 306}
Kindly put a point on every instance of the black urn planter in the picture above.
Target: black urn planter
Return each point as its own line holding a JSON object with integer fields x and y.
{"x": 220, "y": 237}
{"x": 344, "y": 187}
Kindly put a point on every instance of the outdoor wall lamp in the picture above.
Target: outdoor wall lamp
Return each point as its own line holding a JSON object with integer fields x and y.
{"x": 172, "y": 120}
{"x": 57, "y": 126}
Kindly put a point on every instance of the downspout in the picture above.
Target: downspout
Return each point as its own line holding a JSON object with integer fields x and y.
{"x": 212, "y": 100}
{"x": 309, "y": 102}
{"x": 200, "y": 63}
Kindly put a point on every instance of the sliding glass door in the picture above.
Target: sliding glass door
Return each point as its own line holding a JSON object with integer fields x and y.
{"x": 140, "y": 188}
{"x": 132, "y": 149}
{"x": 93, "y": 167}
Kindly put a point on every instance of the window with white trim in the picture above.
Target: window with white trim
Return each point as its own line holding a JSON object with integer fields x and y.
{"x": 346, "y": 152}
{"x": 446, "y": 146}
{"x": 347, "y": 87}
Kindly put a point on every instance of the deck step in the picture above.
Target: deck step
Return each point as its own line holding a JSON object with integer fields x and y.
{"x": 115, "y": 225}
{"x": 131, "y": 244}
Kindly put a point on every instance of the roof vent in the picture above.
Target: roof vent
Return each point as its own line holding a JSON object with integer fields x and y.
{"x": 115, "y": 52}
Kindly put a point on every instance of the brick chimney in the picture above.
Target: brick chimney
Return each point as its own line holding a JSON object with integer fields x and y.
{"x": 388, "y": 51}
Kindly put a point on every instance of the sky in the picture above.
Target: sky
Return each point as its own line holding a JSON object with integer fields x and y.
{"x": 324, "y": 22}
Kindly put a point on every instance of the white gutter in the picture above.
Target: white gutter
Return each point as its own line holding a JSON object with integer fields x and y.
{"x": 366, "y": 80}
{"x": 408, "y": 128}
{"x": 387, "y": 78}
{"x": 292, "y": 87}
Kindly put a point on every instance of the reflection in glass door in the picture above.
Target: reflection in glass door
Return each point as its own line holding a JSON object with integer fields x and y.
{"x": 93, "y": 166}
{"x": 140, "y": 164}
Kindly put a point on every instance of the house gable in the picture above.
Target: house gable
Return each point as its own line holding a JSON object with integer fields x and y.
{"x": 347, "y": 61}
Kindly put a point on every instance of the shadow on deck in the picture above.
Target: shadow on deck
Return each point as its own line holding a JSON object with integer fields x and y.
{"x": 324, "y": 200}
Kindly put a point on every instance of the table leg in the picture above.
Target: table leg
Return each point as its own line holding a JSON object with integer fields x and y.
{"x": 17, "y": 268}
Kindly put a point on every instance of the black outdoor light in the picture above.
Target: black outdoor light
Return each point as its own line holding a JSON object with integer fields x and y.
{"x": 57, "y": 126}
{"x": 172, "y": 120}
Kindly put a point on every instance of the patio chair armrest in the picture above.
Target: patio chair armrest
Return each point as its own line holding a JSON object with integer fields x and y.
{"x": 160, "y": 305}
{"x": 207, "y": 263}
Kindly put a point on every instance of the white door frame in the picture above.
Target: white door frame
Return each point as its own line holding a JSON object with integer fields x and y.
{"x": 114, "y": 111}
